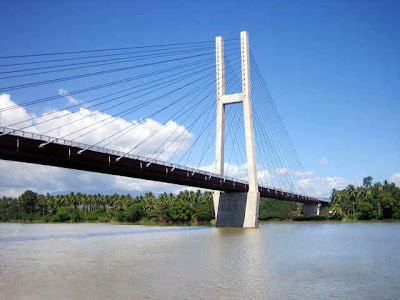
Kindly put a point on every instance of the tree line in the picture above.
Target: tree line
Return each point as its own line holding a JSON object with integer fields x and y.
{"x": 366, "y": 202}
{"x": 369, "y": 201}
{"x": 187, "y": 206}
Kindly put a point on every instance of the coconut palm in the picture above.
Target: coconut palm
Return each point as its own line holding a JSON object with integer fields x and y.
{"x": 353, "y": 194}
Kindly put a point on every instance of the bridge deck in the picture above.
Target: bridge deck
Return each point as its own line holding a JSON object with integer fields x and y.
{"x": 23, "y": 146}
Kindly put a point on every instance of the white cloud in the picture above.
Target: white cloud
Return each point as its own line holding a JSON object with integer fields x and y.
{"x": 15, "y": 115}
{"x": 395, "y": 178}
{"x": 303, "y": 173}
{"x": 281, "y": 171}
{"x": 322, "y": 186}
{"x": 265, "y": 176}
{"x": 141, "y": 186}
{"x": 323, "y": 161}
{"x": 296, "y": 173}
{"x": 65, "y": 93}
{"x": 230, "y": 170}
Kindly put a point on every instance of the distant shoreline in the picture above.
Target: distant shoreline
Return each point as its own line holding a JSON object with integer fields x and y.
{"x": 209, "y": 224}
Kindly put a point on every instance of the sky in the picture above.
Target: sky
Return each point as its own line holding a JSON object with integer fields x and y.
{"x": 332, "y": 67}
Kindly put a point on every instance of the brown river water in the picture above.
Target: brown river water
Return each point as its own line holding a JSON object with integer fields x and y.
{"x": 275, "y": 261}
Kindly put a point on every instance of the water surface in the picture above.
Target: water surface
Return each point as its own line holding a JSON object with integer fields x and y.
{"x": 276, "y": 261}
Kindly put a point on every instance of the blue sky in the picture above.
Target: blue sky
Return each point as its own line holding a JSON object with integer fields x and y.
{"x": 332, "y": 67}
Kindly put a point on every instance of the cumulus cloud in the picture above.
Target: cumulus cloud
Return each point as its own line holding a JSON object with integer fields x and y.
{"x": 281, "y": 171}
{"x": 295, "y": 173}
{"x": 65, "y": 93}
{"x": 323, "y": 161}
{"x": 11, "y": 116}
{"x": 395, "y": 178}
{"x": 303, "y": 173}
{"x": 265, "y": 176}
{"x": 322, "y": 186}
{"x": 230, "y": 170}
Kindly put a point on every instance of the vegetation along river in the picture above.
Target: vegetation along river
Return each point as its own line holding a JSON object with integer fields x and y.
{"x": 332, "y": 260}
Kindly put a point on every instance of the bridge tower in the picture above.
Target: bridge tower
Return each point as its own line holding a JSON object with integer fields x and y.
{"x": 235, "y": 209}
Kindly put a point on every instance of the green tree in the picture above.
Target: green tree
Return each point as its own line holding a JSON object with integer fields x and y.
{"x": 388, "y": 203}
{"x": 134, "y": 212}
{"x": 366, "y": 209}
{"x": 205, "y": 210}
{"x": 28, "y": 200}
{"x": 272, "y": 208}
{"x": 336, "y": 209}
{"x": 181, "y": 210}
{"x": 63, "y": 214}
{"x": 367, "y": 181}
{"x": 352, "y": 193}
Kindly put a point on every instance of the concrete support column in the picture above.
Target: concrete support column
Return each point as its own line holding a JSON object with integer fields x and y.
{"x": 311, "y": 209}
{"x": 253, "y": 196}
{"x": 220, "y": 126}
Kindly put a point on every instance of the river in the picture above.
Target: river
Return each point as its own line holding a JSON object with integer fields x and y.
{"x": 275, "y": 261}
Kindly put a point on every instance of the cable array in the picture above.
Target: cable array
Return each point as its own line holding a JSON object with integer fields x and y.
{"x": 274, "y": 137}
{"x": 157, "y": 101}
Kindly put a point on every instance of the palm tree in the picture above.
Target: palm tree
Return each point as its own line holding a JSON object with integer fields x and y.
{"x": 79, "y": 197}
{"x": 379, "y": 188}
{"x": 149, "y": 201}
{"x": 352, "y": 193}
{"x": 41, "y": 202}
{"x": 386, "y": 185}
{"x": 336, "y": 209}
{"x": 73, "y": 201}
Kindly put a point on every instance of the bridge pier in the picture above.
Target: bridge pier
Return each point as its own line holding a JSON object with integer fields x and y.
{"x": 311, "y": 209}
{"x": 236, "y": 209}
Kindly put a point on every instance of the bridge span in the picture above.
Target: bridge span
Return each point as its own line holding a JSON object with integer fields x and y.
{"x": 23, "y": 146}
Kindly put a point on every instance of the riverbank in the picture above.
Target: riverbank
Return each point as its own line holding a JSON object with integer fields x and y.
{"x": 326, "y": 218}
{"x": 113, "y": 222}
{"x": 296, "y": 219}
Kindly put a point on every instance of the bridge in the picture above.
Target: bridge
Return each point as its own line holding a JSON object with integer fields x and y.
{"x": 236, "y": 200}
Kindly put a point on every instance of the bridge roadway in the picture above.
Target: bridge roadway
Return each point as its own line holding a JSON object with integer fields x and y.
{"x": 22, "y": 146}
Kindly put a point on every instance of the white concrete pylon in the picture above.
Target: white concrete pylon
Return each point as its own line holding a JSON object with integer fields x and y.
{"x": 220, "y": 129}
{"x": 245, "y": 205}
{"x": 247, "y": 112}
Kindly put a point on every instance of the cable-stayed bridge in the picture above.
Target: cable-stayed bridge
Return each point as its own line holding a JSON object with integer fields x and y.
{"x": 155, "y": 105}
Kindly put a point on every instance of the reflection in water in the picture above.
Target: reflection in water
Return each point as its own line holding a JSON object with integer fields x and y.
{"x": 246, "y": 265}
{"x": 276, "y": 261}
